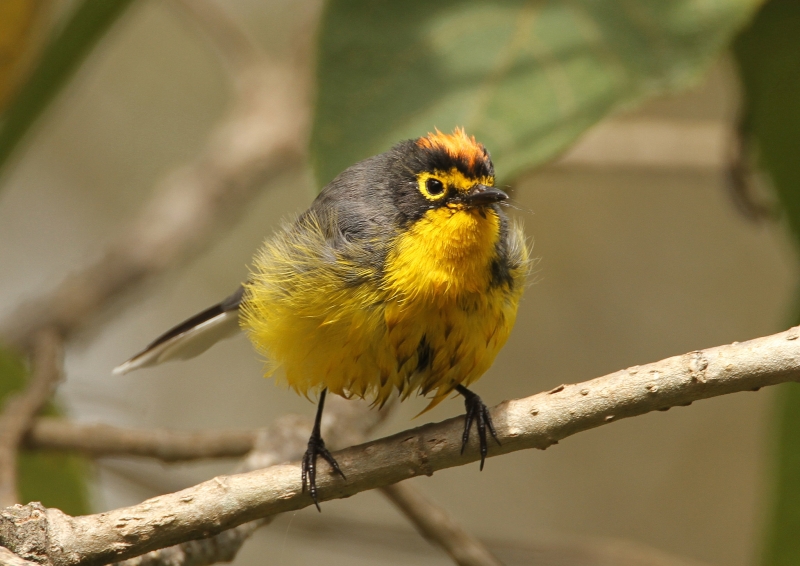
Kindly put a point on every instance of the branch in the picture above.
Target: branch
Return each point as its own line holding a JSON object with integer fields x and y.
{"x": 21, "y": 409}
{"x": 284, "y": 440}
{"x": 430, "y": 520}
{"x": 220, "y": 548}
{"x": 98, "y": 440}
{"x": 342, "y": 429}
{"x": 8, "y": 558}
{"x": 226, "y": 545}
{"x": 538, "y": 421}
{"x": 437, "y": 526}
{"x": 538, "y": 548}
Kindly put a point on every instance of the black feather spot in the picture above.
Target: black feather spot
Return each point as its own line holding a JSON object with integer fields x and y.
{"x": 501, "y": 274}
{"x": 424, "y": 355}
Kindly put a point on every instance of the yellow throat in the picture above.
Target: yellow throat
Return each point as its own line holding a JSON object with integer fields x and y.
{"x": 444, "y": 254}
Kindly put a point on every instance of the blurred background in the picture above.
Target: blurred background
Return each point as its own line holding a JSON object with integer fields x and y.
{"x": 651, "y": 149}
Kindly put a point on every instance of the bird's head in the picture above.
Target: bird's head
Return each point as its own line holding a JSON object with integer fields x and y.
{"x": 450, "y": 222}
{"x": 441, "y": 170}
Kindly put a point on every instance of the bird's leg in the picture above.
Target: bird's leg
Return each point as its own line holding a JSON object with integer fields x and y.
{"x": 479, "y": 412}
{"x": 316, "y": 447}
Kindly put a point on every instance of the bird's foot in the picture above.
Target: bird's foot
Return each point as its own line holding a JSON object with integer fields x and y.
{"x": 476, "y": 411}
{"x": 316, "y": 447}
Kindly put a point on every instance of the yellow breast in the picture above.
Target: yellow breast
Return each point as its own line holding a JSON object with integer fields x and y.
{"x": 445, "y": 254}
{"x": 436, "y": 319}
{"x": 445, "y": 320}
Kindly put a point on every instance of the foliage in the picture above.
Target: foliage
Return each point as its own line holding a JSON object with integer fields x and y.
{"x": 18, "y": 19}
{"x": 61, "y": 57}
{"x": 526, "y": 78}
{"x": 768, "y": 54}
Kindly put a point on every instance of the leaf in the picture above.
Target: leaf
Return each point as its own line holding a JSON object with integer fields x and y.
{"x": 525, "y": 77}
{"x": 57, "y": 480}
{"x": 18, "y": 23}
{"x": 61, "y": 57}
{"x": 768, "y": 55}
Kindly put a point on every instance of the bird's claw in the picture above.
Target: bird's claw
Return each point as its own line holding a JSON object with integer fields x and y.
{"x": 476, "y": 411}
{"x": 316, "y": 447}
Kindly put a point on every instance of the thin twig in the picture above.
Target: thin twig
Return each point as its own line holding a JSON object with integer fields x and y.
{"x": 344, "y": 424}
{"x": 538, "y": 421}
{"x": 220, "y": 548}
{"x": 436, "y": 525}
{"x": 537, "y": 548}
{"x": 20, "y": 410}
{"x": 429, "y": 519}
{"x": 97, "y": 440}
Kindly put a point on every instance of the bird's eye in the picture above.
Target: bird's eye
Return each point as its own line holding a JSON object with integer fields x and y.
{"x": 434, "y": 186}
{"x": 431, "y": 187}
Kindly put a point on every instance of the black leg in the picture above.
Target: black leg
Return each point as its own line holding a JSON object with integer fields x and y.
{"x": 477, "y": 411}
{"x": 316, "y": 447}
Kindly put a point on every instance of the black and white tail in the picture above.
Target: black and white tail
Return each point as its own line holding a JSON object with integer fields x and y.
{"x": 191, "y": 337}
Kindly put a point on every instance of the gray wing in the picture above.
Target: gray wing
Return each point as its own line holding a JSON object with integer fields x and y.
{"x": 358, "y": 214}
{"x": 355, "y": 210}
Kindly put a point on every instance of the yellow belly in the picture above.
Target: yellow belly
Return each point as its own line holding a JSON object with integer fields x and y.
{"x": 442, "y": 343}
{"x": 432, "y": 320}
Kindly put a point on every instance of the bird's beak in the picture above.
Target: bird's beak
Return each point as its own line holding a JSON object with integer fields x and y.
{"x": 481, "y": 195}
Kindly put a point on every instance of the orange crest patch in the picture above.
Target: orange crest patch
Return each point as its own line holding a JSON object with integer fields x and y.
{"x": 457, "y": 145}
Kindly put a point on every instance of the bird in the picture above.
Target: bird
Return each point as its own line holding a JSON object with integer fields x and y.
{"x": 404, "y": 275}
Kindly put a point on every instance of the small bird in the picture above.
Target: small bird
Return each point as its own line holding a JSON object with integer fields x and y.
{"x": 403, "y": 275}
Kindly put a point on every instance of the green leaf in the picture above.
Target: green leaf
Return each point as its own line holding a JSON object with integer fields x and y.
{"x": 525, "y": 77}
{"x": 61, "y": 57}
{"x": 57, "y": 480}
{"x": 768, "y": 55}
{"x": 781, "y": 547}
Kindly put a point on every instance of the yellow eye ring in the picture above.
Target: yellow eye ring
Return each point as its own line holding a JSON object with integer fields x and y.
{"x": 431, "y": 187}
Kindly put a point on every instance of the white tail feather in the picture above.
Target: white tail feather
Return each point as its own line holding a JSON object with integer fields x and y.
{"x": 189, "y": 344}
